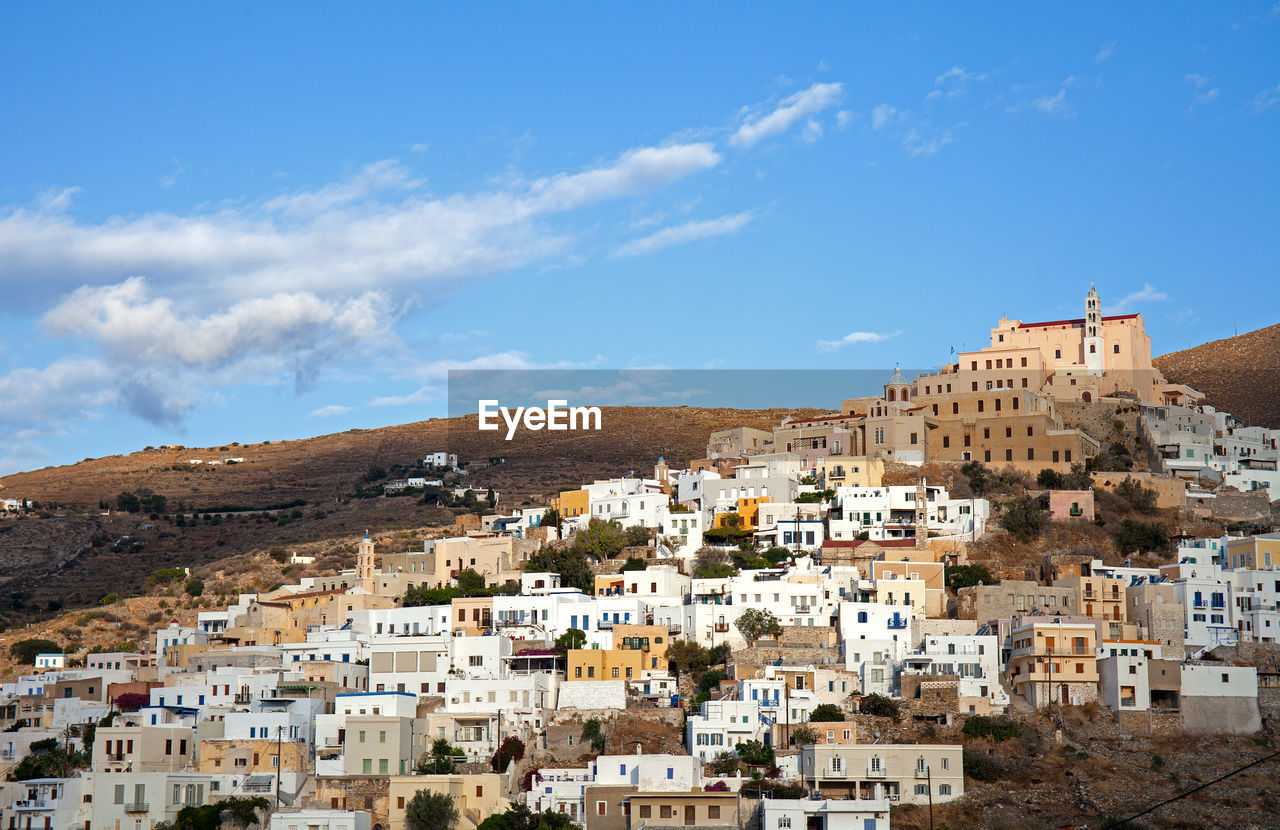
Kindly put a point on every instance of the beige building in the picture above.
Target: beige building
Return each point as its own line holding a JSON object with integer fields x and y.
{"x": 1003, "y": 427}
{"x": 1100, "y": 597}
{"x": 477, "y": 795}
{"x": 242, "y": 756}
{"x": 931, "y": 575}
{"x": 142, "y": 748}
{"x": 378, "y": 745}
{"x": 910, "y": 773}
{"x": 1011, "y": 598}
{"x": 1054, "y": 660}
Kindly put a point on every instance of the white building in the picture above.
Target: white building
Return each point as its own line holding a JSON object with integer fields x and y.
{"x": 721, "y": 725}
{"x": 824, "y": 814}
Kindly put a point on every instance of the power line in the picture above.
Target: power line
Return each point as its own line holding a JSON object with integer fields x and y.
{"x": 1155, "y": 807}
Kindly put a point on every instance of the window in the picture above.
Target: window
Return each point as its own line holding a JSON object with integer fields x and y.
{"x": 602, "y": 808}
{"x": 922, "y": 789}
{"x": 646, "y": 811}
{"x": 713, "y": 811}
{"x": 944, "y": 789}
{"x": 784, "y": 822}
{"x": 475, "y": 660}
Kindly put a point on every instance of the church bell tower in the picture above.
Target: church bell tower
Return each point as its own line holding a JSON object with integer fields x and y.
{"x": 1093, "y": 343}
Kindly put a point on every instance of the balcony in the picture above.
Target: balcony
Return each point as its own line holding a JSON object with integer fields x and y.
{"x": 922, "y": 772}
{"x": 243, "y": 698}
{"x": 833, "y": 773}
{"x": 877, "y": 773}
{"x": 36, "y": 804}
{"x": 116, "y": 757}
{"x": 136, "y": 807}
{"x": 605, "y": 625}
{"x": 721, "y": 627}
{"x": 897, "y": 623}
{"x": 673, "y": 628}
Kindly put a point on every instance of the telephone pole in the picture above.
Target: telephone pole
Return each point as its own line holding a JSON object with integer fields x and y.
{"x": 279, "y": 763}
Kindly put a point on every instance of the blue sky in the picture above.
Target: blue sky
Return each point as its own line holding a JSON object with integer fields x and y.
{"x": 258, "y": 222}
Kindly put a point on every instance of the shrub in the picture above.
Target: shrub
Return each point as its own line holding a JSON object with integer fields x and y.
{"x": 25, "y": 651}
{"x": 880, "y": 706}
{"x": 755, "y": 623}
{"x": 964, "y": 576}
{"x": 593, "y": 733}
{"x": 993, "y": 729}
{"x": 802, "y": 735}
{"x": 1137, "y": 536}
{"x": 710, "y": 679}
{"x": 755, "y": 754}
{"x": 512, "y": 749}
{"x": 195, "y": 586}
{"x": 1024, "y": 519}
{"x": 826, "y": 713}
{"x": 633, "y": 563}
{"x": 980, "y": 766}
{"x": 636, "y": 536}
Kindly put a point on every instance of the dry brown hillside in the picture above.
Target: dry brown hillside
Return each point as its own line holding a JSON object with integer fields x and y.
{"x": 69, "y": 554}
{"x": 1239, "y": 374}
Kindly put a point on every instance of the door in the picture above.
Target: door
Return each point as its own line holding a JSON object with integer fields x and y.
{"x": 689, "y": 815}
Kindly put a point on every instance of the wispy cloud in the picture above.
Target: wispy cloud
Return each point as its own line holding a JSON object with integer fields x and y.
{"x": 854, "y": 338}
{"x": 680, "y": 234}
{"x": 169, "y": 180}
{"x": 1267, "y": 98}
{"x": 1148, "y": 294}
{"x": 1107, "y": 50}
{"x": 790, "y": 110}
{"x": 329, "y": 411}
{"x": 1204, "y": 92}
{"x": 1044, "y": 98}
{"x": 954, "y": 84}
{"x": 917, "y": 135}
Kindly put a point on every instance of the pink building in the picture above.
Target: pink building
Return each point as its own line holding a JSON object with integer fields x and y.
{"x": 1071, "y": 505}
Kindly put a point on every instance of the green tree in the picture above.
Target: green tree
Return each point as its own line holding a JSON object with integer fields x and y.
{"x": 492, "y": 498}
{"x": 687, "y": 656}
{"x": 423, "y": 596}
{"x": 593, "y": 734}
{"x": 633, "y": 563}
{"x": 965, "y": 576}
{"x": 803, "y": 735}
{"x": 551, "y": 518}
{"x": 1135, "y": 536}
{"x": 880, "y": 706}
{"x": 440, "y": 761}
{"x": 712, "y": 563}
{"x": 600, "y": 539}
{"x": 755, "y": 754}
{"x": 637, "y": 536}
{"x": 128, "y": 503}
{"x": 239, "y": 811}
{"x": 520, "y": 817}
{"x": 430, "y": 811}
{"x": 471, "y": 584}
{"x": 571, "y": 639}
{"x": 1138, "y": 498}
{"x": 25, "y": 651}
{"x": 826, "y": 713}
{"x": 710, "y": 679}
{"x": 755, "y": 623}
{"x": 195, "y": 586}
{"x": 1024, "y": 519}
{"x": 1049, "y": 479}
{"x": 572, "y": 564}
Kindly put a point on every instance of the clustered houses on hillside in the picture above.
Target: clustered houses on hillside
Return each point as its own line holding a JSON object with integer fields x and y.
{"x": 342, "y": 702}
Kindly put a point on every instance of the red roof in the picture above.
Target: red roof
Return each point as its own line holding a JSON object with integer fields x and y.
{"x": 1079, "y": 322}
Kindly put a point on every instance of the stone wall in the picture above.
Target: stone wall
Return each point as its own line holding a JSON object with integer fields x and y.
{"x": 1220, "y": 715}
{"x": 1170, "y": 492}
{"x": 809, "y": 636}
{"x": 948, "y": 628}
{"x": 368, "y": 793}
{"x": 1149, "y": 723}
{"x": 593, "y": 694}
{"x": 1240, "y": 507}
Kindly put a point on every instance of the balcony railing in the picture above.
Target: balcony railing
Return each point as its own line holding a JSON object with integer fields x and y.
{"x": 922, "y": 772}
{"x": 721, "y": 627}
{"x": 898, "y": 623}
{"x": 605, "y": 625}
{"x": 833, "y": 773}
{"x": 877, "y": 773}
{"x": 673, "y": 628}
{"x": 136, "y": 807}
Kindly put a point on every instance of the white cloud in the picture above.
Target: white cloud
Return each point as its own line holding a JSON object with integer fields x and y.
{"x": 843, "y": 117}
{"x": 1051, "y": 103}
{"x": 1148, "y": 294}
{"x": 882, "y": 116}
{"x": 1107, "y": 50}
{"x": 330, "y": 239}
{"x": 792, "y": 109}
{"x": 1267, "y": 98}
{"x": 1204, "y": 94}
{"x": 688, "y": 232}
{"x": 954, "y": 83}
{"x": 812, "y": 132}
{"x": 853, "y": 339}
{"x": 169, "y": 180}
{"x": 329, "y": 411}
{"x": 917, "y": 135}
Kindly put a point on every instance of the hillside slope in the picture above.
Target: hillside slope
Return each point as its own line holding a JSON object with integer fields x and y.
{"x": 72, "y": 555}
{"x": 1239, "y": 374}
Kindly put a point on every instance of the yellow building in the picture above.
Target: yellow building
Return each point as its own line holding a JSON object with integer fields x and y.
{"x": 747, "y": 512}
{"x": 851, "y": 471}
{"x": 1254, "y": 551}
{"x": 245, "y": 756}
{"x": 638, "y": 651}
{"x": 572, "y": 503}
